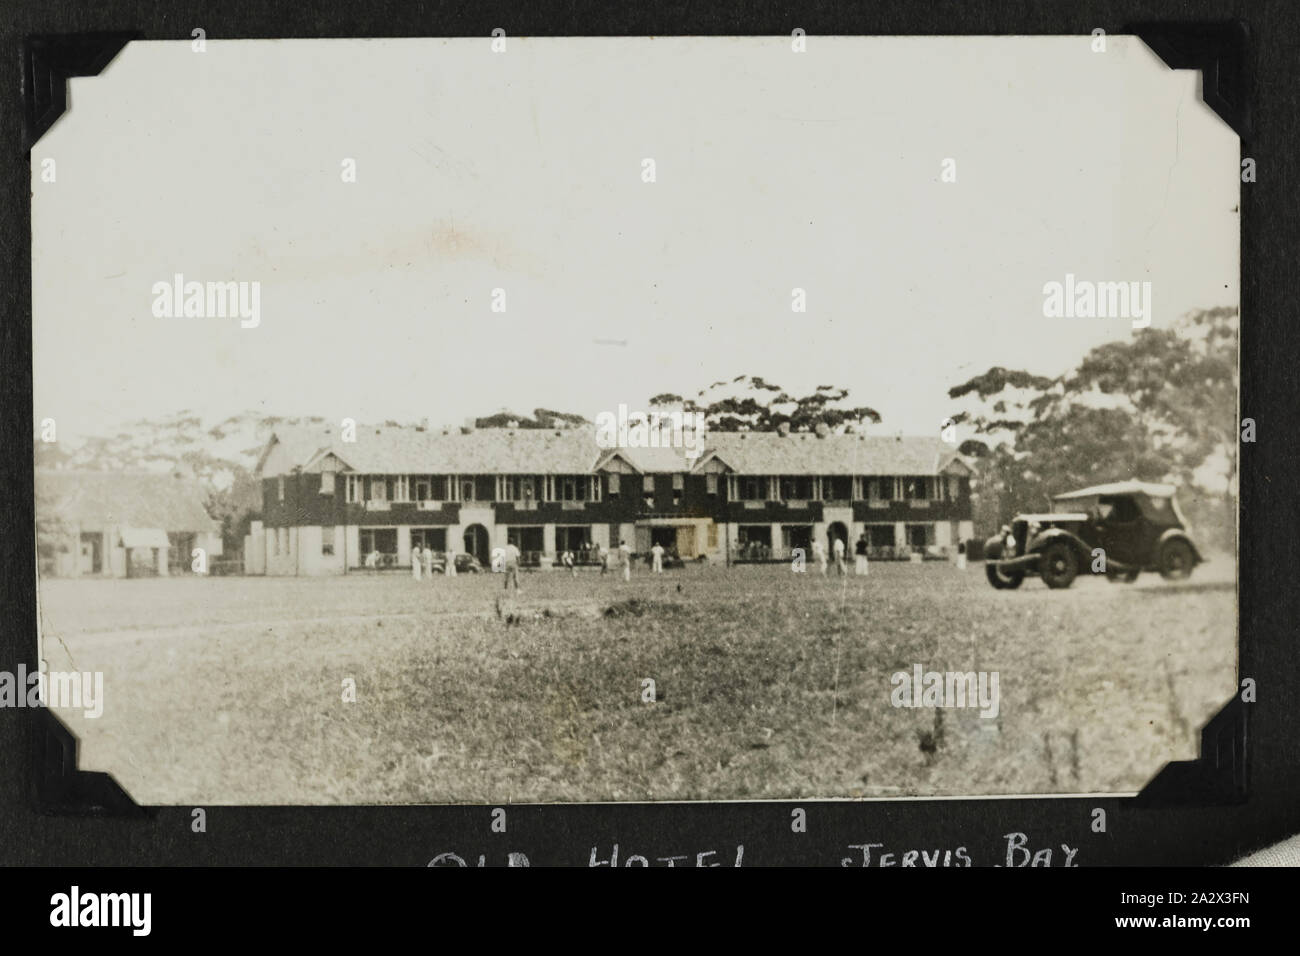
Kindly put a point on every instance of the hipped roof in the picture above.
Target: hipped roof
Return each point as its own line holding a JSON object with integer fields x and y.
{"x": 97, "y": 501}
{"x": 576, "y": 451}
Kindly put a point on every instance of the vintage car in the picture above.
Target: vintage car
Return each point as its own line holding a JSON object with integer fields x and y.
{"x": 465, "y": 563}
{"x": 1121, "y": 529}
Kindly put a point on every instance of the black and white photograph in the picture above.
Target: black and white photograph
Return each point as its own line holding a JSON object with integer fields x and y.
{"x": 540, "y": 420}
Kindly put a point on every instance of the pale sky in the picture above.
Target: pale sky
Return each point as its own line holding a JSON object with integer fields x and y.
{"x": 522, "y": 171}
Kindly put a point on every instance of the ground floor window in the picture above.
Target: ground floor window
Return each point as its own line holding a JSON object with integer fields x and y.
{"x": 575, "y": 538}
{"x": 326, "y": 540}
{"x": 754, "y": 541}
{"x": 381, "y": 543}
{"x": 880, "y": 535}
{"x": 91, "y": 555}
{"x": 919, "y": 536}
{"x": 142, "y": 562}
{"x": 677, "y": 540}
{"x": 797, "y": 536}
{"x": 527, "y": 539}
{"x": 530, "y": 542}
{"x": 429, "y": 539}
{"x": 181, "y": 553}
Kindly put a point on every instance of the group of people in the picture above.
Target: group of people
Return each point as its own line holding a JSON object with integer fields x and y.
{"x": 607, "y": 558}
{"x": 510, "y": 558}
{"x": 610, "y": 559}
{"x": 838, "y": 552}
{"x": 422, "y": 562}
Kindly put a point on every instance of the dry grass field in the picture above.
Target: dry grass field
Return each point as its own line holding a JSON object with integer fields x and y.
{"x": 770, "y": 684}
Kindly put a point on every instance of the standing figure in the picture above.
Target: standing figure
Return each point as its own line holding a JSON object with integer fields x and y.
{"x": 819, "y": 553}
{"x": 450, "y": 570}
{"x": 512, "y": 565}
{"x": 657, "y": 559}
{"x": 625, "y": 556}
{"x": 837, "y": 548}
{"x": 602, "y": 558}
{"x": 416, "y": 559}
{"x": 566, "y": 559}
{"x": 860, "y": 555}
{"x": 428, "y": 563}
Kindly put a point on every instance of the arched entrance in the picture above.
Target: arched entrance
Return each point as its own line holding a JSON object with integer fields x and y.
{"x": 836, "y": 529}
{"x": 476, "y": 543}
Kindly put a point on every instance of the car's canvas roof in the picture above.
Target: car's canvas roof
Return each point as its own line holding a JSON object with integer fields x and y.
{"x": 1120, "y": 488}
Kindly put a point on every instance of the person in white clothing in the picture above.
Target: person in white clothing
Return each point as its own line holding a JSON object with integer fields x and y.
{"x": 625, "y": 556}
{"x": 450, "y": 570}
{"x": 860, "y": 554}
{"x": 819, "y": 554}
{"x": 511, "y": 558}
{"x": 416, "y": 559}
{"x": 837, "y": 547}
{"x": 657, "y": 559}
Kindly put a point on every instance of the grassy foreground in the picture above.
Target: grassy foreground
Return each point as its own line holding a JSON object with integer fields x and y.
{"x": 770, "y": 685}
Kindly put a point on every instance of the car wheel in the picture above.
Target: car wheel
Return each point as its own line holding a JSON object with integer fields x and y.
{"x": 1003, "y": 580}
{"x": 1058, "y": 565}
{"x": 1176, "y": 560}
